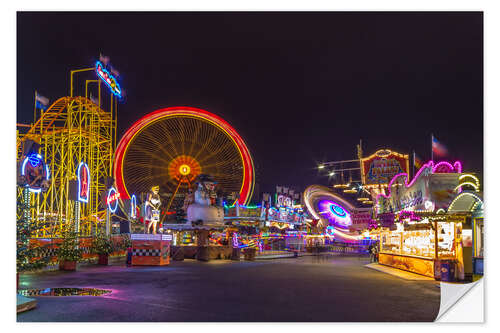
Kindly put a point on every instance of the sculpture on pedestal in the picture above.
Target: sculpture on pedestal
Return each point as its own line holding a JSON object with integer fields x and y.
{"x": 153, "y": 203}
{"x": 204, "y": 210}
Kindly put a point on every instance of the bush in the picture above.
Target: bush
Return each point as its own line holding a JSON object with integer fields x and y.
{"x": 102, "y": 244}
{"x": 69, "y": 251}
{"x": 125, "y": 243}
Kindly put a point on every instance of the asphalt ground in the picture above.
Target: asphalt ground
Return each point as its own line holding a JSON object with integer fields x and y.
{"x": 324, "y": 288}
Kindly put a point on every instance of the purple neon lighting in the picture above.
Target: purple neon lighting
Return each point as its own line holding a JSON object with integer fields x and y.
{"x": 335, "y": 213}
{"x": 456, "y": 166}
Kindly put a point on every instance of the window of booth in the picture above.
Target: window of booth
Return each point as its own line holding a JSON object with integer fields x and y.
{"x": 446, "y": 239}
{"x": 419, "y": 243}
{"x": 479, "y": 237}
{"x": 391, "y": 242}
{"x": 188, "y": 238}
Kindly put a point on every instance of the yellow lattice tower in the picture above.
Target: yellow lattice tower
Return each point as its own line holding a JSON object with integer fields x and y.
{"x": 71, "y": 130}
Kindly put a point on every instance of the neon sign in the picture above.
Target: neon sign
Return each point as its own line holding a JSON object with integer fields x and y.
{"x": 34, "y": 170}
{"x": 112, "y": 199}
{"x": 133, "y": 204}
{"x": 382, "y": 166}
{"x": 108, "y": 78}
{"x": 83, "y": 175}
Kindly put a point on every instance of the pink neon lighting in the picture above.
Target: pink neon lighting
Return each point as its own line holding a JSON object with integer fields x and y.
{"x": 456, "y": 166}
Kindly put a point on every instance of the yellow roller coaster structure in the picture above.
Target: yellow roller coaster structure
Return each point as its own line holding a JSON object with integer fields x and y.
{"x": 71, "y": 130}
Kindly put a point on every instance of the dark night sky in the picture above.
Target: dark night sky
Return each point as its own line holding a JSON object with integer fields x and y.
{"x": 298, "y": 87}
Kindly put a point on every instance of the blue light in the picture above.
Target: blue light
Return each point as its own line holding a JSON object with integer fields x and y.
{"x": 132, "y": 206}
{"x": 337, "y": 210}
{"x": 34, "y": 159}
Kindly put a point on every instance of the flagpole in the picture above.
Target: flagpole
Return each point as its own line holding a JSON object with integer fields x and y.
{"x": 34, "y": 112}
{"x": 413, "y": 164}
{"x": 432, "y": 150}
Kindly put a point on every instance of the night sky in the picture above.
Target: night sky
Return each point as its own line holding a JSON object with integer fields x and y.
{"x": 300, "y": 88}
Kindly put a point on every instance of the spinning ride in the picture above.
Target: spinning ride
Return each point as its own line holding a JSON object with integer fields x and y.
{"x": 170, "y": 147}
{"x": 332, "y": 211}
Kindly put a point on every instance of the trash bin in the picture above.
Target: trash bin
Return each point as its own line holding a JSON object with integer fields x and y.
{"x": 447, "y": 271}
{"x": 129, "y": 256}
{"x": 202, "y": 253}
{"x": 249, "y": 253}
{"x": 437, "y": 270}
{"x": 236, "y": 253}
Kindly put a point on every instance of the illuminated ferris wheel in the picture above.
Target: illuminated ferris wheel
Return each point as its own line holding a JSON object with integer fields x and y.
{"x": 170, "y": 147}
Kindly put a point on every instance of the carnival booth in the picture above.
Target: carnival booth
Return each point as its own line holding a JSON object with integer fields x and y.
{"x": 150, "y": 250}
{"x": 424, "y": 243}
{"x": 470, "y": 202}
{"x": 426, "y": 237}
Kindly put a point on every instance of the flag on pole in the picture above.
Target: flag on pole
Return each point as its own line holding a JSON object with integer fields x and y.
{"x": 94, "y": 100}
{"x": 104, "y": 59}
{"x": 114, "y": 71}
{"x": 41, "y": 102}
{"x": 438, "y": 148}
{"x": 417, "y": 161}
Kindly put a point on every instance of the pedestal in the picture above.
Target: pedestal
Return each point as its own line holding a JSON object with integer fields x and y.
{"x": 150, "y": 250}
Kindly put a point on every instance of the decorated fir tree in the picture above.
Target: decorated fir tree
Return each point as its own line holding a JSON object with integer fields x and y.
{"x": 28, "y": 257}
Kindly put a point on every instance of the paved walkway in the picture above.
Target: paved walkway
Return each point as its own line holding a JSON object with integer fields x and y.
{"x": 399, "y": 272}
{"x": 304, "y": 289}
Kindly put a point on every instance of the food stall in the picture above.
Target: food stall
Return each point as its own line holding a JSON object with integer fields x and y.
{"x": 423, "y": 242}
{"x": 431, "y": 234}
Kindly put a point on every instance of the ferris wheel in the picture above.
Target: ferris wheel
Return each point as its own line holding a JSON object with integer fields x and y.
{"x": 170, "y": 147}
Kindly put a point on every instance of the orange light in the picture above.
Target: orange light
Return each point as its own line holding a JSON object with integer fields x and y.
{"x": 184, "y": 169}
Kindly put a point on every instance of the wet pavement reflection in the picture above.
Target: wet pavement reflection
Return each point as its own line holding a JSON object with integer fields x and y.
{"x": 64, "y": 292}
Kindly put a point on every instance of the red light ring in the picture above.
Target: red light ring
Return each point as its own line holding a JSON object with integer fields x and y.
{"x": 247, "y": 186}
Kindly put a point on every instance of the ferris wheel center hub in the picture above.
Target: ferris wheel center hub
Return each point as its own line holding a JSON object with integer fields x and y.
{"x": 184, "y": 170}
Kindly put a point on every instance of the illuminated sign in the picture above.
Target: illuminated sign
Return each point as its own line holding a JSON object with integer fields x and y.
{"x": 430, "y": 189}
{"x": 83, "y": 175}
{"x": 112, "y": 199}
{"x": 283, "y": 200}
{"x": 108, "y": 78}
{"x": 382, "y": 166}
{"x": 133, "y": 205}
{"x": 35, "y": 172}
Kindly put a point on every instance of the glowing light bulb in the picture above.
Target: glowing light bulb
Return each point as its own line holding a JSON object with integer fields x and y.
{"x": 184, "y": 169}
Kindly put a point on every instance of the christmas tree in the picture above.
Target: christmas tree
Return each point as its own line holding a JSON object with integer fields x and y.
{"x": 28, "y": 257}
